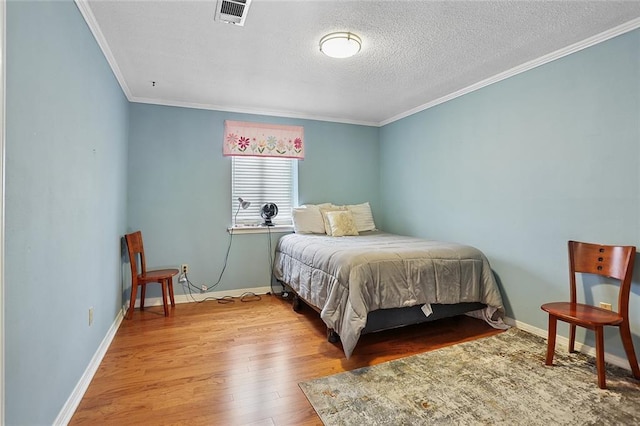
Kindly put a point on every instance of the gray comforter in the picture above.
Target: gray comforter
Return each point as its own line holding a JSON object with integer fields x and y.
{"x": 348, "y": 277}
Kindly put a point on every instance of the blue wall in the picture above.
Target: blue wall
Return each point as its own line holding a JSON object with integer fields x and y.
{"x": 522, "y": 166}
{"x": 516, "y": 169}
{"x": 69, "y": 199}
{"x": 66, "y": 154}
{"x": 180, "y": 188}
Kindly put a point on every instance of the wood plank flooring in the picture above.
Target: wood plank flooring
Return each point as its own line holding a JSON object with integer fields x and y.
{"x": 237, "y": 363}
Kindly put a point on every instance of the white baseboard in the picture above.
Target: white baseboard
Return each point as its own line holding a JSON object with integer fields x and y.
{"x": 196, "y": 296}
{"x": 74, "y": 399}
{"x": 69, "y": 407}
{"x": 562, "y": 344}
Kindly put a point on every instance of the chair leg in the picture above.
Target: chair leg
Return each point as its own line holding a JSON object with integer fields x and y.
{"x": 132, "y": 303}
{"x": 572, "y": 338}
{"x": 551, "y": 339}
{"x": 164, "y": 297}
{"x": 143, "y": 291}
{"x": 173, "y": 300}
{"x": 627, "y": 342}
{"x": 600, "y": 357}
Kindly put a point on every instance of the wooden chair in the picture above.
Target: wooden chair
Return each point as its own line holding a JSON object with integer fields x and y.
{"x": 609, "y": 261}
{"x": 162, "y": 276}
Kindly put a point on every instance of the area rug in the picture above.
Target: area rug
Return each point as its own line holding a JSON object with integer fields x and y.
{"x": 497, "y": 380}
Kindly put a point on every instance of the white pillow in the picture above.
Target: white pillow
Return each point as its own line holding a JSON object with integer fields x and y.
{"x": 323, "y": 205}
{"x": 362, "y": 216}
{"x": 341, "y": 223}
{"x": 308, "y": 220}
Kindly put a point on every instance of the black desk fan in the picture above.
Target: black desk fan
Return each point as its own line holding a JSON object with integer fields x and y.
{"x": 268, "y": 212}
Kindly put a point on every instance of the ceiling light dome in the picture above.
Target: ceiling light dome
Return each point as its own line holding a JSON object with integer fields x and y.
{"x": 340, "y": 45}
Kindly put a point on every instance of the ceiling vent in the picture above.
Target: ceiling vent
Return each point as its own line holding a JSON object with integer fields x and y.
{"x": 232, "y": 11}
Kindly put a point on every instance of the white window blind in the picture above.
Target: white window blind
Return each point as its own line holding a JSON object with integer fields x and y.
{"x": 261, "y": 180}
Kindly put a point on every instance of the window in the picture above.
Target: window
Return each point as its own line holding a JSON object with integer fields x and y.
{"x": 263, "y": 180}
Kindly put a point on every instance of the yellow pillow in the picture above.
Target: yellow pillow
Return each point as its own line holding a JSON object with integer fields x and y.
{"x": 341, "y": 223}
{"x": 324, "y": 211}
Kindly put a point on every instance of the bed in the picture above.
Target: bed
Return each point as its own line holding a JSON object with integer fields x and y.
{"x": 376, "y": 280}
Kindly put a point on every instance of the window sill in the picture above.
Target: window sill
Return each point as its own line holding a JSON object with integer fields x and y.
{"x": 259, "y": 229}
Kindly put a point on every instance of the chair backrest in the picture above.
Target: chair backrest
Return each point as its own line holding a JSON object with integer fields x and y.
{"x": 609, "y": 261}
{"x": 136, "y": 251}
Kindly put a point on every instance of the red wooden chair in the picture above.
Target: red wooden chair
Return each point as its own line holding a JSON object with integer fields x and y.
{"x": 610, "y": 261}
{"x": 162, "y": 276}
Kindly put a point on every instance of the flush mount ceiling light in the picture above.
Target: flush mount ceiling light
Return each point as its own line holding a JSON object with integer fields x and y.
{"x": 340, "y": 45}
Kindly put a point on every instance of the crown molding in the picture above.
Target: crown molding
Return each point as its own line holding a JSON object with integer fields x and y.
{"x": 90, "y": 19}
{"x": 241, "y": 110}
{"x": 560, "y": 53}
{"x": 88, "y": 16}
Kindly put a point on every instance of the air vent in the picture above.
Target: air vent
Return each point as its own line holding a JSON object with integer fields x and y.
{"x": 232, "y": 11}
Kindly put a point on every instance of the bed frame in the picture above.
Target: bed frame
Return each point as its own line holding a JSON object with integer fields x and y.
{"x": 386, "y": 319}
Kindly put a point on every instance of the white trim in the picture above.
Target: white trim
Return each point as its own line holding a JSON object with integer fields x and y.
{"x": 90, "y": 19}
{"x": 69, "y": 407}
{"x": 259, "y": 229}
{"x": 588, "y": 42}
{"x": 3, "y": 84}
{"x": 242, "y": 110}
{"x": 562, "y": 344}
{"x": 591, "y": 41}
{"x": 197, "y": 297}
{"x": 65, "y": 415}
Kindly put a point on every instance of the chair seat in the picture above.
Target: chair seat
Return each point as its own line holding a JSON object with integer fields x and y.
{"x": 581, "y": 314}
{"x": 141, "y": 277}
{"x": 156, "y": 275}
{"x": 616, "y": 264}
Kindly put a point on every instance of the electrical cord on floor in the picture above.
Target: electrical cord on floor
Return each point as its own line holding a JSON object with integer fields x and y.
{"x": 249, "y": 297}
{"x": 244, "y": 297}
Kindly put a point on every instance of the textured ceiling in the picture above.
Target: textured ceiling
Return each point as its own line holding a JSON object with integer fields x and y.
{"x": 414, "y": 53}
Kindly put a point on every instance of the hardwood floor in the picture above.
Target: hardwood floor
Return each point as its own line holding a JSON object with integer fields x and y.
{"x": 237, "y": 363}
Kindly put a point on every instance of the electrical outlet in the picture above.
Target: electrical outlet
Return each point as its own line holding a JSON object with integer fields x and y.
{"x": 605, "y": 305}
{"x": 90, "y": 316}
{"x": 184, "y": 268}
{"x": 203, "y": 289}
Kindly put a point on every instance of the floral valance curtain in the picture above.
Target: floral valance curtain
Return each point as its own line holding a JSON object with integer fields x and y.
{"x": 263, "y": 140}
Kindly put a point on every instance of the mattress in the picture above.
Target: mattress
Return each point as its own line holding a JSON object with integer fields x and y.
{"x": 348, "y": 277}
